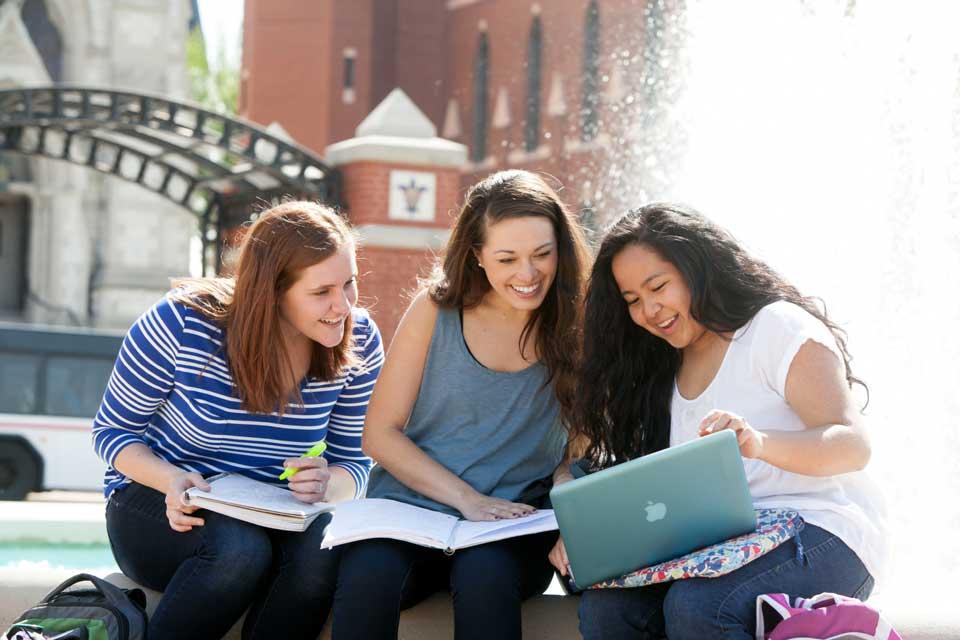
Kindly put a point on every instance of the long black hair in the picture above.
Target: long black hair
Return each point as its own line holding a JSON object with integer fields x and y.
{"x": 628, "y": 374}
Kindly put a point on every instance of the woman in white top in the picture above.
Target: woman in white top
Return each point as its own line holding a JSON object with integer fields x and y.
{"x": 686, "y": 334}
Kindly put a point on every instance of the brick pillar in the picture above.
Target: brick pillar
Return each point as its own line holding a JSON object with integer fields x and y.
{"x": 402, "y": 188}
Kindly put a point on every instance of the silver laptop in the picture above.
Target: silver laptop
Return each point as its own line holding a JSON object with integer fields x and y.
{"x": 654, "y": 508}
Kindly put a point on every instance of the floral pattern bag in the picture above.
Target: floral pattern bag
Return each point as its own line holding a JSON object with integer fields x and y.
{"x": 774, "y": 527}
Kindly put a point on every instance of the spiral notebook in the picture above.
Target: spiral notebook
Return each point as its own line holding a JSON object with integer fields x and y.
{"x": 257, "y": 502}
{"x": 379, "y": 518}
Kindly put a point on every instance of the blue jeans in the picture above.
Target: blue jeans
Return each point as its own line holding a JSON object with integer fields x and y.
{"x": 379, "y": 578}
{"x": 724, "y": 608}
{"x": 212, "y": 574}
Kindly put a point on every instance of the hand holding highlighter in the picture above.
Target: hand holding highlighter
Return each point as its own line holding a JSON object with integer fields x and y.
{"x": 313, "y": 452}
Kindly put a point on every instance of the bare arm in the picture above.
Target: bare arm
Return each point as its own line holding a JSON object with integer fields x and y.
{"x": 558, "y": 555}
{"x": 139, "y": 463}
{"x": 562, "y": 473}
{"x": 143, "y": 466}
{"x": 576, "y": 449}
{"x": 393, "y": 398}
{"x": 834, "y": 441}
{"x": 341, "y": 486}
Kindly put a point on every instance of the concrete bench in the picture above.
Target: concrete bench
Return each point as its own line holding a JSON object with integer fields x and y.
{"x": 544, "y": 618}
{"x": 547, "y": 617}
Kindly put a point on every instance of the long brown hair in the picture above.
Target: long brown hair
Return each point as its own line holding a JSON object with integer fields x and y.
{"x": 458, "y": 281}
{"x": 623, "y": 408}
{"x": 282, "y": 242}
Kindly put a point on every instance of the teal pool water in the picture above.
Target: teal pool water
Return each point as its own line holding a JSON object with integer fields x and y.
{"x": 82, "y": 557}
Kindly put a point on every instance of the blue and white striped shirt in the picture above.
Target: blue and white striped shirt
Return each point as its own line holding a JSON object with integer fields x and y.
{"x": 171, "y": 390}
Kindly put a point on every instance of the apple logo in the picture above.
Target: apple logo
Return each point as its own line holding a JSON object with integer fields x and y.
{"x": 656, "y": 511}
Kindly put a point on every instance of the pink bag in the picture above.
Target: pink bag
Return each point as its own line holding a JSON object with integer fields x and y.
{"x": 827, "y": 616}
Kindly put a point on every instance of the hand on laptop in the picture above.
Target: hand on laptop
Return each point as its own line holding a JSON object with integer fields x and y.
{"x": 749, "y": 439}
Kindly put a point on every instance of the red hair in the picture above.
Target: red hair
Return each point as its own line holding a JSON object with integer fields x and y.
{"x": 282, "y": 242}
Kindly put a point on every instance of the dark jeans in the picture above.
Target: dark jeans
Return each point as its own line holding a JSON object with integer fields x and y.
{"x": 212, "y": 574}
{"x": 379, "y": 578}
{"x": 725, "y": 608}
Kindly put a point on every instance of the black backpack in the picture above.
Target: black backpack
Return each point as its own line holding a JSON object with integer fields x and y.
{"x": 105, "y": 612}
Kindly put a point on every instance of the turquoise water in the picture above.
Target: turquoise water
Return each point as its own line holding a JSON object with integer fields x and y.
{"x": 82, "y": 557}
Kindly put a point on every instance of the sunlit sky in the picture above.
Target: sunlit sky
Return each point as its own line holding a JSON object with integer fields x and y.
{"x": 222, "y": 22}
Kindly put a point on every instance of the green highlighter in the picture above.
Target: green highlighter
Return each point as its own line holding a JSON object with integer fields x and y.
{"x": 313, "y": 452}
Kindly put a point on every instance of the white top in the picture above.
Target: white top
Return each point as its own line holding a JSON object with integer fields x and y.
{"x": 751, "y": 383}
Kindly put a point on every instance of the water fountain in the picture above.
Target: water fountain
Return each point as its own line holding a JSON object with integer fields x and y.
{"x": 826, "y": 136}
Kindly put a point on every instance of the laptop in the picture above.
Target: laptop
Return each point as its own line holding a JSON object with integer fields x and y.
{"x": 655, "y": 508}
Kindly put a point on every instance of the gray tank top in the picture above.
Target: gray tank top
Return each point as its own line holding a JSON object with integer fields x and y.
{"x": 499, "y": 432}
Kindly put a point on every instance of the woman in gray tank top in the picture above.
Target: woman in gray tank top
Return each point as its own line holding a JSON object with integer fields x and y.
{"x": 468, "y": 414}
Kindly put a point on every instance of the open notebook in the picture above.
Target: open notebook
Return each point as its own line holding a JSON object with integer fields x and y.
{"x": 378, "y": 518}
{"x": 257, "y": 502}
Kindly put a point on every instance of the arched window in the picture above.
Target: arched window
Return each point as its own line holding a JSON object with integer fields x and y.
{"x": 45, "y": 35}
{"x": 531, "y": 131}
{"x": 589, "y": 117}
{"x": 481, "y": 69}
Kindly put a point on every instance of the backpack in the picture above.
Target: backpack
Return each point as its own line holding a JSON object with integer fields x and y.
{"x": 827, "y": 616}
{"x": 105, "y": 612}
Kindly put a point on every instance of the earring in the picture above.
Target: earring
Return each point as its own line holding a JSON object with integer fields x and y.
{"x": 479, "y": 265}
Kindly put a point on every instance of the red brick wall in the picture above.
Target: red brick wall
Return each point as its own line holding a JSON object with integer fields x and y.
{"x": 287, "y": 67}
{"x": 421, "y": 55}
{"x": 383, "y": 53}
{"x": 353, "y": 28}
{"x": 508, "y": 28}
{"x": 293, "y": 73}
{"x": 389, "y": 276}
{"x": 293, "y": 66}
{"x": 388, "y": 281}
{"x": 367, "y": 185}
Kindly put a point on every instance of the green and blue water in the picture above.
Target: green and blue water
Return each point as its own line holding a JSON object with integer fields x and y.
{"x": 96, "y": 558}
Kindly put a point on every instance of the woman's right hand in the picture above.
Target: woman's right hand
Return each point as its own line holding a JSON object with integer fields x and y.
{"x": 481, "y": 507}
{"x": 177, "y": 510}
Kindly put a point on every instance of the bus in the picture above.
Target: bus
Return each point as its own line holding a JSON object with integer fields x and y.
{"x": 51, "y": 383}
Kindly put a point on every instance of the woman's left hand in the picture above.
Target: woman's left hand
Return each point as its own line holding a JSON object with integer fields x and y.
{"x": 558, "y": 557}
{"x": 749, "y": 439}
{"x": 309, "y": 484}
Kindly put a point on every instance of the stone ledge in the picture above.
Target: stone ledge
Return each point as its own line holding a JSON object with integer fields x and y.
{"x": 546, "y": 617}
{"x": 431, "y": 152}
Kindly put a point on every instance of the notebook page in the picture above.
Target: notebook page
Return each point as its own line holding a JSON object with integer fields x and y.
{"x": 470, "y": 533}
{"x": 378, "y": 518}
{"x": 244, "y": 492}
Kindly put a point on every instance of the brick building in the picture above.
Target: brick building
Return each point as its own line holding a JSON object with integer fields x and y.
{"x": 544, "y": 86}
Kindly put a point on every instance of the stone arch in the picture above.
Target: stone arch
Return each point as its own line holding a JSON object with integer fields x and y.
{"x": 210, "y": 164}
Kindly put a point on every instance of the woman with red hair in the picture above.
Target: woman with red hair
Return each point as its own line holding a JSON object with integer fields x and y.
{"x": 241, "y": 375}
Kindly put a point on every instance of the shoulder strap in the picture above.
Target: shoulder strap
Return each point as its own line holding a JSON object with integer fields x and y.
{"x": 114, "y": 594}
